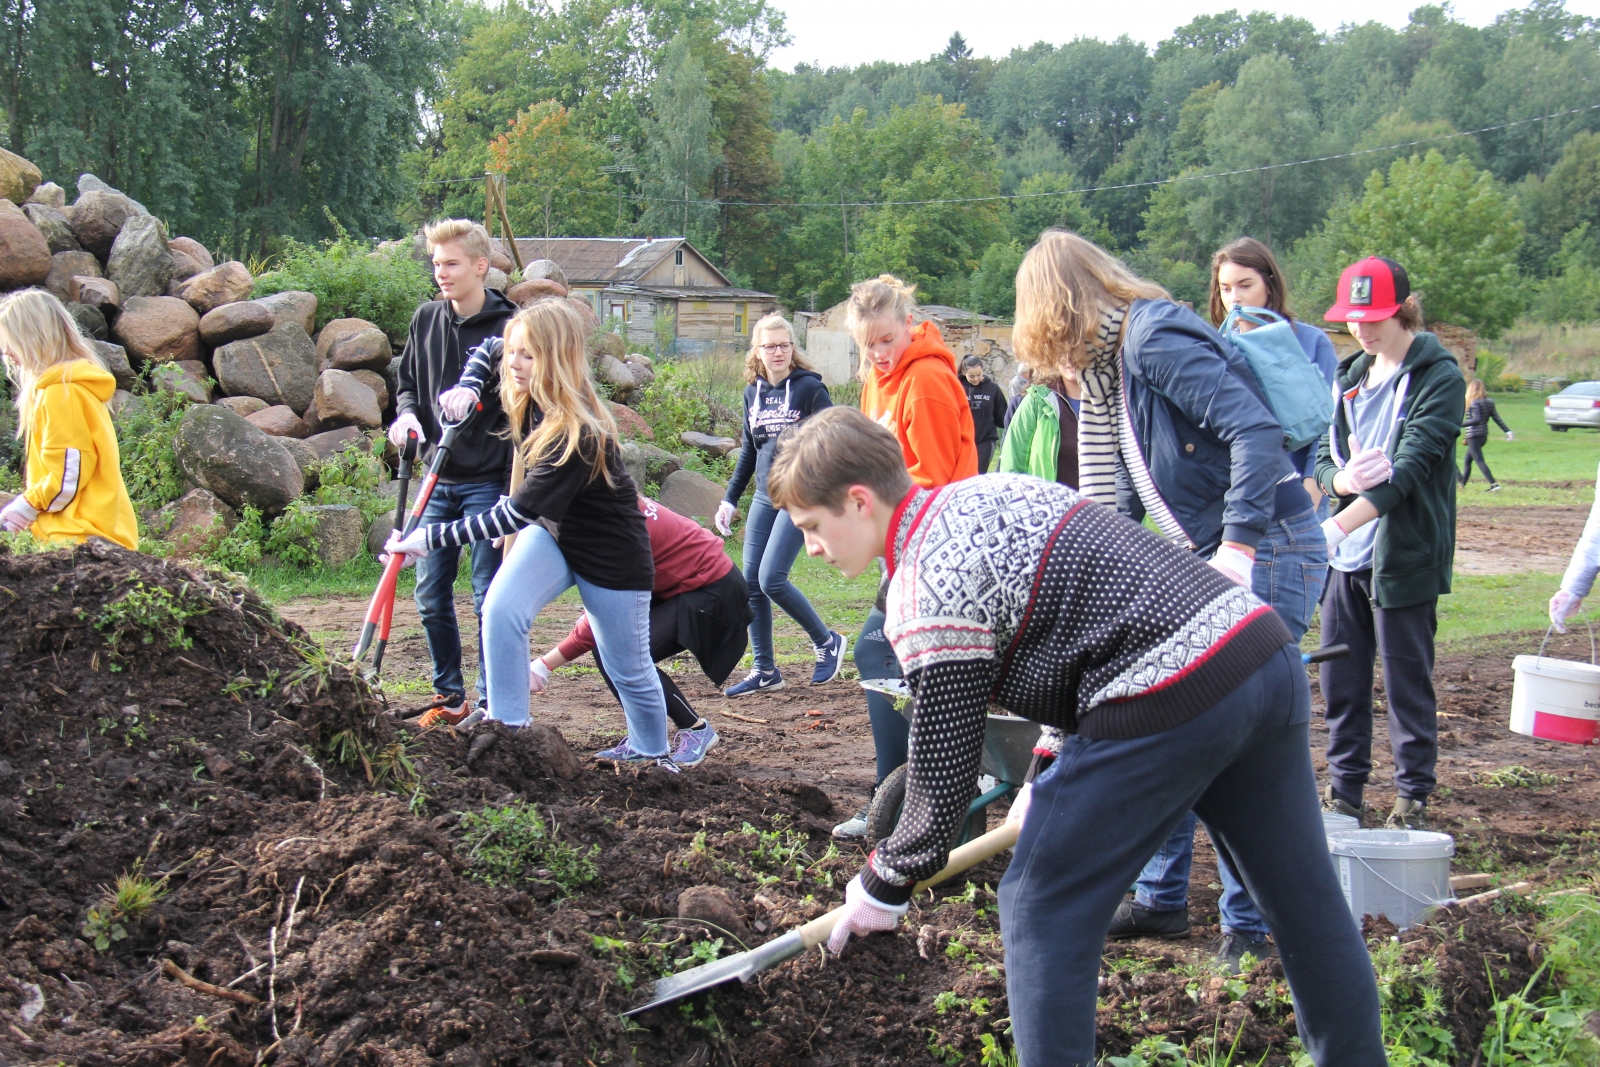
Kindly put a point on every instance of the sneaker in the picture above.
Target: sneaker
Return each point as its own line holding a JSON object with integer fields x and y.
{"x": 755, "y": 682}
{"x": 1408, "y": 814}
{"x": 1493, "y": 488}
{"x": 1135, "y": 920}
{"x": 1334, "y": 804}
{"x": 854, "y": 828}
{"x": 444, "y": 712}
{"x": 830, "y": 659}
{"x": 691, "y": 746}
{"x": 1234, "y": 946}
{"x": 623, "y": 752}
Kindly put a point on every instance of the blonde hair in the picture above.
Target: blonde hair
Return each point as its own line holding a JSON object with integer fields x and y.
{"x": 1475, "y": 391}
{"x": 469, "y": 236}
{"x": 753, "y": 367}
{"x": 553, "y": 333}
{"x": 818, "y": 460}
{"x": 876, "y": 298}
{"x": 37, "y": 332}
{"x": 1063, "y": 286}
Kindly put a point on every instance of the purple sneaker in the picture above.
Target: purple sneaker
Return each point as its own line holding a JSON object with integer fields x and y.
{"x": 692, "y": 745}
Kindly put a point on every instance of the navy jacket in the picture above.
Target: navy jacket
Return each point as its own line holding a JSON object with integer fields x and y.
{"x": 1213, "y": 447}
{"x": 768, "y": 411}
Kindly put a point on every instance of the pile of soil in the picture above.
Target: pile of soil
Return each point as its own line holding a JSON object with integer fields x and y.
{"x": 317, "y": 905}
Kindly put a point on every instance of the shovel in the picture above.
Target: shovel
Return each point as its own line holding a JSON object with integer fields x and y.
{"x": 746, "y": 965}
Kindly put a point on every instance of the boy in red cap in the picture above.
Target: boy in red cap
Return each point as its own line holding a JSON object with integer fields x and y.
{"x": 1389, "y": 464}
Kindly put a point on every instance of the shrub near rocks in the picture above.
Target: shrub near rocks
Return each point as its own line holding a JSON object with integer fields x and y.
{"x": 350, "y": 281}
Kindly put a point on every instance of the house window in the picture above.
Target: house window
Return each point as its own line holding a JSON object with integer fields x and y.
{"x": 620, "y": 310}
{"x": 741, "y": 320}
{"x": 677, "y": 257}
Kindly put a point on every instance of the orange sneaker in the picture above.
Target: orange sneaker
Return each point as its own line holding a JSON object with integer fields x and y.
{"x": 444, "y": 714}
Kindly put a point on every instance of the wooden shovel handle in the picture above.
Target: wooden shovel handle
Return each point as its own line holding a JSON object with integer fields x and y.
{"x": 964, "y": 858}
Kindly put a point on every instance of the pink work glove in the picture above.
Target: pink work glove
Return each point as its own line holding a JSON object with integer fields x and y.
{"x": 17, "y": 515}
{"x": 1563, "y": 606}
{"x": 413, "y": 547}
{"x": 1367, "y": 467}
{"x": 862, "y": 915}
{"x": 1235, "y": 564}
{"x": 538, "y": 676}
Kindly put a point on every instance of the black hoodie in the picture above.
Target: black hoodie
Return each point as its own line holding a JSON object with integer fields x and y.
{"x": 768, "y": 411}
{"x": 434, "y": 356}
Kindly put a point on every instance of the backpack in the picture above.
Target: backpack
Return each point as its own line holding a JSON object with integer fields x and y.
{"x": 1291, "y": 385}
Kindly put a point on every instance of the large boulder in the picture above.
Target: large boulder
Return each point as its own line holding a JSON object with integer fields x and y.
{"x": 608, "y": 344}
{"x": 50, "y": 195}
{"x": 659, "y": 464}
{"x": 711, "y": 446}
{"x": 94, "y": 291}
{"x": 234, "y": 322}
{"x": 89, "y": 320}
{"x": 158, "y": 328}
{"x": 97, "y": 217}
{"x": 63, "y": 265}
{"x": 691, "y": 493}
{"x": 189, "y": 257}
{"x": 546, "y": 269}
{"x": 343, "y": 400}
{"x": 88, "y": 183}
{"x": 341, "y": 533}
{"x": 353, "y": 344}
{"x": 279, "y": 366}
{"x": 218, "y": 286}
{"x": 116, "y": 361}
{"x": 633, "y": 463}
{"x": 526, "y": 292}
{"x": 24, "y": 253}
{"x": 244, "y": 406}
{"x": 140, "y": 262}
{"x": 195, "y": 523}
{"x": 52, "y": 222}
{"x": 306, "y": 458}
{"x": 377, "y": 383}
{"x": 279, "y": 421}
{"x": 497, "y": 279}
{"x": 378, "y": 533}
{"x": 293, "y": 306}
{"x": 18, "y": 177}
{"x": 187, "y": 377}
{"x": 219, "y": 451}
{"x": 586, "y": 310}
{"x": 615, "y": 373}
{"x": 630, "y": 422}
{"x": 332, "y": 442}
{"x": 499, "y": 259}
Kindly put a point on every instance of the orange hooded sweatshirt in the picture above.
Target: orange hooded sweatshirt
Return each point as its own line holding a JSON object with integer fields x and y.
{"x": 922, "y": 403}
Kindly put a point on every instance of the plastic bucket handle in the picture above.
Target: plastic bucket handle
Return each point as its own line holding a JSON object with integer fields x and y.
{"x": 1592, "y": 660}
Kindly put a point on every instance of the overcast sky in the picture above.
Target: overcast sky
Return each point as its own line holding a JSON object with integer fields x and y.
{"x": 850, "y": 32}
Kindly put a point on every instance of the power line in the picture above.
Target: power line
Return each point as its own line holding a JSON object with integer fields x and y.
{"x": 836, "y": 204}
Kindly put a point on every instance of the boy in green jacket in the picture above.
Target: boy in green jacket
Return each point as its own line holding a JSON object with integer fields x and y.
{"x": 1389, "y": 462}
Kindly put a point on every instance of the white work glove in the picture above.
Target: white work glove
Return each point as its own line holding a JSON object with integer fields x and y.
{"x": 1367, "y": 467}
{"x": 724, "y": 519}
{"x": 1235, "y": 564}
{"x": 397, "y": 430}
{"x": 538, "y": 675}
{"x": 862, "y": 915}
{"x": 1510, "y": 436}
{"x": 454, "y": 404}
{"x": 413, "y": 547}
{"x": 17, "y": 515}
{"x": 1333, "y": 532}
{"x": 1563, "y": 606}
{"x": 1019, "y": 804}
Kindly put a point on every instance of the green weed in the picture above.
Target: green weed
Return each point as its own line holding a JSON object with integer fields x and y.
{"x": 150, "y": 614}
{"x": 132, "y": 896}
{"x": 702, "y": 952}
{"x": 1150, "y": 1052}
{"x": 145, "y": 432}
{"x": 1412, "y": 1010}
{"x": 1516, "y": 776}
{"x": 505, "y": 846}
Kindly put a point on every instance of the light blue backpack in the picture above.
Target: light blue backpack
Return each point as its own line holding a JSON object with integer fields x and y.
{"x": 1293, "y": 387}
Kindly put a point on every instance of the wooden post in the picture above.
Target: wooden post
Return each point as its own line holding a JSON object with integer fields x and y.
{"x": 505, "y": 224}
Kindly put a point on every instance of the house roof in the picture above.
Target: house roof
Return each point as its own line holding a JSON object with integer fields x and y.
{"x": 939, "y": 313}
{"x": 606, "y": 260}
{"x": 694, "y": 292}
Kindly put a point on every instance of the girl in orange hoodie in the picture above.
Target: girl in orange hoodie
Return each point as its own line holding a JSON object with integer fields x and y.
{"x": 909, "y": 385}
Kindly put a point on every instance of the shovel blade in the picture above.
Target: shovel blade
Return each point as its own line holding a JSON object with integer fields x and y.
{"x": 741, "y": 965}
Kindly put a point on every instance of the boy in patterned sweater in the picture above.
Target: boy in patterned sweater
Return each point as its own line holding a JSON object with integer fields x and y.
{"x": 1177, "y": 687}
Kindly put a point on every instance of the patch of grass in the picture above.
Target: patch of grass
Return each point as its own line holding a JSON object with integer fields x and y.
{"x": 1412, "y": 1009}
{"x": 1484, "y": 604}
{"x": 1515, "y": 776}
{"x": 513, "y": 844}
{"x": 132, "y": 896}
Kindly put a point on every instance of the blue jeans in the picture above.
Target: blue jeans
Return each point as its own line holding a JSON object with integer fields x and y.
{"x": 891, "y": 731}
{"x": 436, "y": 584}
{"x": 771, "y": 543}
{"x": 535, "y": 573}
{"x": 1103, "y": 806}
{"x": 1291, "y": 567}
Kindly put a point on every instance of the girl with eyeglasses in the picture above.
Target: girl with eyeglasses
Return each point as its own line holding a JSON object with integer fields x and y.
{"x": 781, "y": 392}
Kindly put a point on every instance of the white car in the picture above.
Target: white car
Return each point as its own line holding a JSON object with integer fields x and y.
{"x": 1576, "y": 405}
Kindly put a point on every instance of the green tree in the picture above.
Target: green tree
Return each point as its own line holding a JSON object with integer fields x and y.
{"x": 1572, "y": 291}
{"x": 553, "y": 181}
{"x": 1568, "y": 197}
{"x": 1048, "y": 205}
{"x": 994, "y": 283}
{"x": 681, "y": 151}
{"x": 1450, "y": 225}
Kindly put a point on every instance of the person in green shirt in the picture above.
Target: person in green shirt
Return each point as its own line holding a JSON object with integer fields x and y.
{"x": 1042, "y": 436}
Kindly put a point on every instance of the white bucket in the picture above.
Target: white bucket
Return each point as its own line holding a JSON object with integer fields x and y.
{"x": 1333, "y": 822}
{"x": 1395, "y": 873}
{"x": 1556, "y": 699}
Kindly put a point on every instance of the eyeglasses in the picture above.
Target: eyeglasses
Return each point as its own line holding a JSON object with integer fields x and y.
{"x": 782, "y": 346}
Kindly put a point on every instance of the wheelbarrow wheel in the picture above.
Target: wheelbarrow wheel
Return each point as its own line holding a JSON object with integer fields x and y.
{"x": 890, "y": 800}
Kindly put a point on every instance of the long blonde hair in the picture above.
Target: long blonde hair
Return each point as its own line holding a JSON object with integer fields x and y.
{"x": 1064, "y": 284}
{"x": 1475, "y": 391}
{"x": 37, "y": 332}
{"x": 876, "y": 298}
{"x": 552, "y": 332}
{"x": 753, "y": 367}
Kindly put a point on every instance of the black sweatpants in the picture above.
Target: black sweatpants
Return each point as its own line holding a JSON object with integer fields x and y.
{"x": 1403, "y": 638}
{"x": 985, "y": 453}
{"x": 1475, "y": 452}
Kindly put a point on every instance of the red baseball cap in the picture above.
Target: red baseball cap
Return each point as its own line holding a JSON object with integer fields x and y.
{"x": 1370, "y": 291}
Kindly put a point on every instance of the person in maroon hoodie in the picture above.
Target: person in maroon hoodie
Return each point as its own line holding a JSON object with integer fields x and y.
{"x": 700, "y": 603}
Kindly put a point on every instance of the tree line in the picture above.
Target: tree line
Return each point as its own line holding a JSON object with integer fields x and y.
{"x": 246, "y": 123}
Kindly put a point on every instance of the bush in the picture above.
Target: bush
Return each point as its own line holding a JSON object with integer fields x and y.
{"x": 350, "y": 280}
{"x": 1490, "y": 368}
{"x": 145, "y": 433}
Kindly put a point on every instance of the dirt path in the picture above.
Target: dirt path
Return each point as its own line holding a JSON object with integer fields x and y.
{"x": 1492, "y": 540}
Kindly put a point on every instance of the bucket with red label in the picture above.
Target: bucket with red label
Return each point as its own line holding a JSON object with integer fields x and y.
{"x": 1556, "y": 699}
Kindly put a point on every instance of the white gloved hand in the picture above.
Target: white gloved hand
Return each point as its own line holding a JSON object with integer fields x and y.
{"x": 1019, "y": 804}
{"x": 454, "y": 404}
{"x": 724, "y": 519}
{"x": 1563, "y": 606}
{"x": 862, "y": 915}
{"x": 1510, "y": 436}
{"x": 413, "y": 547}
{"x": 538, "y": 675}
{"x": 1367, "y": 467}
{"x": 17, "y": 515}
{"x": 397, "y": 430}
{"x": 1235, "y": 564}
{"x": 1333, "y": 532}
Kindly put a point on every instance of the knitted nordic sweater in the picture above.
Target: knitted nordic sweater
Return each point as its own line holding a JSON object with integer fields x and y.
{"x": 1018, "y": 592}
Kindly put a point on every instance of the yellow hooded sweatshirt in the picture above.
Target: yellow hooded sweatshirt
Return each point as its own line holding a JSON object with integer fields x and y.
{"x": 74, "y": 473}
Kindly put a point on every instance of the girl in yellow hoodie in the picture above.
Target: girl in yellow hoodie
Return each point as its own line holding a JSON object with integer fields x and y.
{"x": 73, "y": 487}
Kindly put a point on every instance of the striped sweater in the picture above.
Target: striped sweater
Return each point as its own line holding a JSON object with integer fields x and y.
{"x": 1012, "y": 591}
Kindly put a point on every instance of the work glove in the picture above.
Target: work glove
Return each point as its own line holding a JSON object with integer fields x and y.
{"x": 1019, "y": 804}
{"x": 538, "y": 676}
{"x": 413, "y": 547}
{"x": 1235, "y": 564}
{"x": 397, "y": 430}
{"x": 1333, "y": 532}
{"x": 454, "y": 404}
{"x": 1563, "y": 606}
{"x": 17, "y": 515}
{"x": 1367, "y": 467}
{"x": 1510, "y": 436}
{"x": 724, "y": 519}
{"x": 862, "y": 915}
